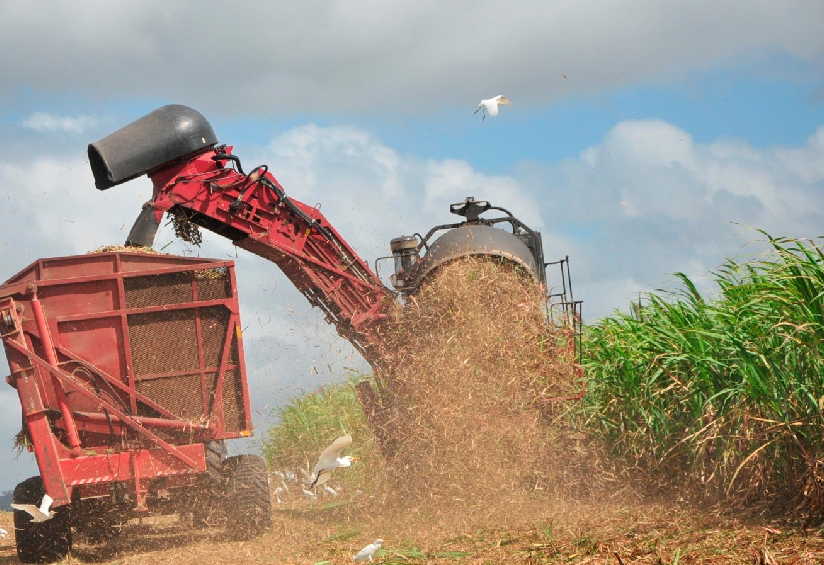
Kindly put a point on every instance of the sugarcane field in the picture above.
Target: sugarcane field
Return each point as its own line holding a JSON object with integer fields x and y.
{"x": 280, "y": 290}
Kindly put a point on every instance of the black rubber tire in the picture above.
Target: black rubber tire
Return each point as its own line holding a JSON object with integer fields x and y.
{"x": 44, "y": 542}
{"x": 248, "y": 501}
{"x": 215, "y": 452}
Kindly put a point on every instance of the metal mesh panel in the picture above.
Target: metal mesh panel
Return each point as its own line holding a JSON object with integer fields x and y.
{"x": 213, "y": 323}
{"x": 156, "y": 290}
{"x": 213, "y": 284}
{"x": 163, "y": 342}
{"x": 232, "y": 401}
{"x": 180, "y": 395}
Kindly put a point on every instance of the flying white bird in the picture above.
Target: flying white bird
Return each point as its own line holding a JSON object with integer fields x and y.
{"x": 3, "y": 533}
{"x": 368, "y": 551}
{"x": 490, "y": 105}
{"x": 330, "y": 459}
{"x": 40, "y": 514}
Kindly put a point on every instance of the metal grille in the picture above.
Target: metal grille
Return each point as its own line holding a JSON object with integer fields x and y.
{"x": 166, "y": 342}
{"x": 156, "y": 290}
{"x": 163, "y": 342}
{"x": 213, "y": 284}
{"x": 232, "y": 401}
{"x": 180, "y": 395}
{"x": 213, "y": 321}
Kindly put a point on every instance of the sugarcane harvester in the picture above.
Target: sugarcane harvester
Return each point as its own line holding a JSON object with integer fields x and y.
{"x": 129, "y": 365}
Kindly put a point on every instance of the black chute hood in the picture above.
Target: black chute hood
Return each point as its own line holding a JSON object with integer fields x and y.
{"x": 163, "y": 136}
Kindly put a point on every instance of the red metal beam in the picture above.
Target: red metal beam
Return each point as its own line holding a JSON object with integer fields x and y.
{"x": 80, "y": 387}
{"x": 254, "y": 211}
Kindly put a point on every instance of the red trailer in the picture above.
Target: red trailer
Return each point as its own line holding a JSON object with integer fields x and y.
{"x": 131, "y": 374}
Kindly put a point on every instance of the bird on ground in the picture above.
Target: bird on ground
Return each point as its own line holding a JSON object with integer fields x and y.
{"x": 3, "y": 533}
{"x": 330, "y": 490}
{"x": 368, "y": 551}
{"x": 490, "y": 106}
{"x": 38, "y": 514}
{"x": 308, "y": 493}
{"x": 330, "y": 459}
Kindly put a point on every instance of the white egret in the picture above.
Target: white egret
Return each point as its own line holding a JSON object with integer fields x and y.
{"x": 330, "y": 490}
{"x": 308, "y": 493}
{"x": 3, "y": 533}
{"x": 330, "y": 459}
{"x": 278, "y": 492}
{"x": 38, "y": 514}
{"x": 490, "y": 105}
{"x": 368, "y": 551}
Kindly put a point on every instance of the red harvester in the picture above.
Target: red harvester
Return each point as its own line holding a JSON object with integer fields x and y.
{"x": 129, "y": 365}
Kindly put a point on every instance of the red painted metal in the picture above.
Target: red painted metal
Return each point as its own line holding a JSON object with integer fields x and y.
{"x": 254, "y": 212}
{"x": 71, "y": 327}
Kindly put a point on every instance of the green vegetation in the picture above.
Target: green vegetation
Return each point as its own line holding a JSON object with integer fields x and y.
{"x": 727, "y": 392}
{"x": 309, "y": 423}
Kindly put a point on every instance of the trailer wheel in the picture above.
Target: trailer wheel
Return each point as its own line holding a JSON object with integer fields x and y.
{"x": 43, "y": 542}
{"x": 248, "y": 502}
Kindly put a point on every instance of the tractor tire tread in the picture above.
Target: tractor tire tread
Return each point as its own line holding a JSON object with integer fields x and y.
{"x": 249, "y": 504}
{"x": 44, "y": 542}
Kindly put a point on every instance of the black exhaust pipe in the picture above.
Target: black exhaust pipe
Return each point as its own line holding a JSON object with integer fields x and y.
{"x": 165, "y": 135}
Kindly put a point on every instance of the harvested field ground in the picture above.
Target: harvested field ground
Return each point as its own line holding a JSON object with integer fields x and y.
{"x": 330, "y": 533}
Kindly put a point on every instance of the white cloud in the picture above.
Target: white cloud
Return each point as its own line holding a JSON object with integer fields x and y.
{"x": 648, "y": 201}
{"x": 45, "y": 122}
{"x": 337, "y": 56}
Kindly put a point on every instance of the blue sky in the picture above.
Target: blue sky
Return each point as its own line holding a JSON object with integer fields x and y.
{"x": 641, "y": 140}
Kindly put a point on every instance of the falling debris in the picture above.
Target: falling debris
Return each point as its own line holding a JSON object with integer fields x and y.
{"x": 490, "y": 106}
{"x": 368, "y": 551}
{"x": 473, "y": 379}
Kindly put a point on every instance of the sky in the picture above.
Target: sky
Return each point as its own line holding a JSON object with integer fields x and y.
{"x": 644, "y": 138}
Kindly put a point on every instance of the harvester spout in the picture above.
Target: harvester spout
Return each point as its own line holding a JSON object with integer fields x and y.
{"x": 152, "y": 142}
{"x": 144, "y": 228}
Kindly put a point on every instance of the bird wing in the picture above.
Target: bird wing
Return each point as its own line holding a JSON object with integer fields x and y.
{"x": 29, "y": 509}
{"x": 45, "y": 504}
{"x": 328, "y": 457}
{"x": 492, "y": 108}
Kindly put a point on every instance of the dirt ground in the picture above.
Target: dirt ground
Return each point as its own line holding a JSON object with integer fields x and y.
{"x": 329, "y": 531}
